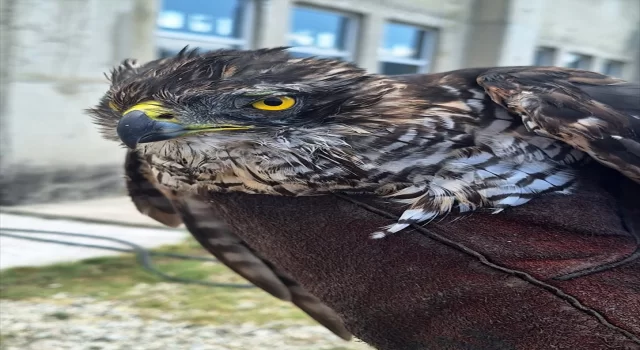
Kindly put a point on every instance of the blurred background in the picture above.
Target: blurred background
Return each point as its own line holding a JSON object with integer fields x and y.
{"x": 58, "y": 174}
{"x": 54, "y": 53}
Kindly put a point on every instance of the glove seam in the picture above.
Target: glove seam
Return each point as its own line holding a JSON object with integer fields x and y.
{"x": 572, "y": 300}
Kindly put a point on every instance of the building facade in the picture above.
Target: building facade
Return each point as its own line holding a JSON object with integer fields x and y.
{"x": 415, "y": 36}
{"x": 53, "y": 54}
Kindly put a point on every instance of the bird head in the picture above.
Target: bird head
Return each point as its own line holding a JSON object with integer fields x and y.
{"x": 228, "y": 97}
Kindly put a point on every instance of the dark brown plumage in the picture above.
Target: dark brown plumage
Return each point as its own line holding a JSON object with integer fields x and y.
{"x": 466, "y": 141}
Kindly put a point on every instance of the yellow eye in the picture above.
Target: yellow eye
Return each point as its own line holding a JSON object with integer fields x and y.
{"x": 278, "y": 103}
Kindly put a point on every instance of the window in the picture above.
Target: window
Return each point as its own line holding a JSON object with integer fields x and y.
{"x": 316, "y": 32}
{"x": 406, "y": 49}
{"x": 575, "y": 60}
{"x": 206, "y": 24}
{"x": 614, "y": 68}
{"x": 545, "y": 56}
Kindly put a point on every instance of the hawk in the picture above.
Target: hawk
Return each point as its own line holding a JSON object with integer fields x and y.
{"x": 263, "y": 122}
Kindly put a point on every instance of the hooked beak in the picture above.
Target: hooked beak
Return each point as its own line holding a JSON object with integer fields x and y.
{"x": 136, "y": 127}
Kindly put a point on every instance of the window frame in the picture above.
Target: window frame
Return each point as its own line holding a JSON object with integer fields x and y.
{"x": 552, "y": 50}
{"x": 169, "y": 40}
{"x": 426, "y": 51}
{"x": 591, "y": 60}
{"x": 350, "y": 39}
{"x": 607, "y": 61}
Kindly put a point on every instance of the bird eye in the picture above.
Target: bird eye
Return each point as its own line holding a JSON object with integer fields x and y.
{"x": 277, "y": 103}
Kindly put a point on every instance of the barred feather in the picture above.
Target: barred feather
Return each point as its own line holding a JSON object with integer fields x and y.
{"x": 482, "y": 139}
{"x": 476, "y": 139}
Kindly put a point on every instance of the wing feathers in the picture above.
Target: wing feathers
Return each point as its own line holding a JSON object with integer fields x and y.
{"x": 320, "y": 312}
{"x": 591, "y": 112}
{"x": 240, "y": 257}
{"x": 229, "y": 248}
{"x": 144, "y": 193}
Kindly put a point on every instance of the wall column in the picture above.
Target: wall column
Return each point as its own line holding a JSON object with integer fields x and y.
{"x": 273, "y": 17}
{"x": 367, "y": 51}
{"x": 503, "y": 32}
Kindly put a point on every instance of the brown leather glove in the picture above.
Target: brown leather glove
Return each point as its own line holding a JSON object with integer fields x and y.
{"x": 557, "y": 273}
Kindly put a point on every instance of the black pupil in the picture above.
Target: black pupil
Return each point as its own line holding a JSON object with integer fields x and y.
{"x": 272, "y": 101}
{"x": 165, "y": 116}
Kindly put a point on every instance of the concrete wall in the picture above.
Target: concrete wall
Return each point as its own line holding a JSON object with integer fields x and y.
{"x": 53, "y": 54}
{"x": 507, "y": 32}
{"x": 604, "y": 29}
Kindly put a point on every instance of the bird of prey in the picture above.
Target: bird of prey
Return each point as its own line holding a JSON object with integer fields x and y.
{"x": 263, "y": 122}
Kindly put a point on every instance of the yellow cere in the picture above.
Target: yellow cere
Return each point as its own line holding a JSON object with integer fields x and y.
{"x": 152, "y": 109}
{"x": 113, "y": 106}
{"x": 278, "y": 103}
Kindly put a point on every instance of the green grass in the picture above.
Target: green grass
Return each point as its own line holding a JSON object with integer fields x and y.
{"x": 121, "y": 278}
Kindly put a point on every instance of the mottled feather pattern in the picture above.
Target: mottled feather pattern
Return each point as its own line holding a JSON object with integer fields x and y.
{"x": 444, "y": 143}
{"x": 482, "y": 139}
{"x": 575, "y": 107}
{"x": 440, "y": 171}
